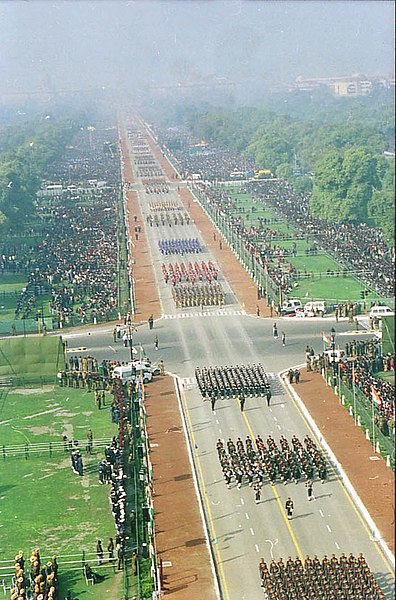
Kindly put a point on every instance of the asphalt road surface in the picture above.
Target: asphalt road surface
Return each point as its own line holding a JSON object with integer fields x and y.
{"x": 240, "y": 530}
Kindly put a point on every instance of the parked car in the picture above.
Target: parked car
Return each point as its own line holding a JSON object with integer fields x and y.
{"x": 290, "y": 307}
{"x": 146, "y": 366}
{"x": 377, "y": 312}
{"x": 315, "y": 309}
{"x": 130, "y": 373}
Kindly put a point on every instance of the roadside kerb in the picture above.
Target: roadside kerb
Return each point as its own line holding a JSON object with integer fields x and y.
{"x": 337, "y": 466}
{"x": 179, "y": 385}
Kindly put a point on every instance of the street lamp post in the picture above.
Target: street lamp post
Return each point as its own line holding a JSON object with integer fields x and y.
{"x": 333, "y": 355}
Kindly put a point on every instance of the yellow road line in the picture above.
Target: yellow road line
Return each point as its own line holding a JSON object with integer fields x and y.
{"x": 209, "y": 512}
{"x": 347, "y": 494}
{"x": 275, "y": 492}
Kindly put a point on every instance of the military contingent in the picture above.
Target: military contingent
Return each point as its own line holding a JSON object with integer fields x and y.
{"x": 174, "y": 218}
{"x": 186, "y": 295}
{"x": 180, "y": 246}
{"x": 342, "y": 578}
{"x": 230, "y": 382}
{"x": 255, "y": 462}
{"x": 41, "y": 583}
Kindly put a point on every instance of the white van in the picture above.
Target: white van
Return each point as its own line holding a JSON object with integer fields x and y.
{"x": 377, "y": 312}
{"x": 290, "y": 306}
{"x": 315, "y": 309}
{"x": 128, "y": 373}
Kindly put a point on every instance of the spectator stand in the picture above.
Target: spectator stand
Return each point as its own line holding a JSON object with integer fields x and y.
{"x": 369, "y": 401}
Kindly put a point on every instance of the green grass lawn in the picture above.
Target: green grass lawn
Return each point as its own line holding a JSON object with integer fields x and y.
{"x": 386, "y": 376}
{"x": 43, "y": 503}
{"x": 12, "y": 282}
{"x": 331, "y": 289}
{"x": 315, "y": 264}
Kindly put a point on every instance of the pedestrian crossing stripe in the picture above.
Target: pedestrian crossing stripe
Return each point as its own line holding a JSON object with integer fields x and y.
{"x": 217, "y": 313}
{"x": 81, "y": 349}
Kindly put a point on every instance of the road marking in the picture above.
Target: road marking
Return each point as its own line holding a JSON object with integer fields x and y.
{"x": 321, "y": 512}
{"x": 337, "y": 545}
{"x": 328, "y": 528}
{"x": 205, "y": 496}
{"x": 242, "y": 501}
{"x": 251, "y": 531}
{"x": 111, "y": 348}
{"x": 339, "y": 480}
{"x": 247, "y": 516}
{"x": 278, "y": 500}
{"x": 219, "y": 430}
{"x": 257, "y": 548}
{"x": 217, "y": 422}
{"x": 273, "y": 543}
{"x": 275, "y": 419}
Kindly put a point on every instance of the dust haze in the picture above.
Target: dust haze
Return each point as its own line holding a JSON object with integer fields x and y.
{"x": 141, "y": 45}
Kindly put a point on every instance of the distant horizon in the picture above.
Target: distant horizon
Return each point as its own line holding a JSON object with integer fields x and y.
{"x": 92, "y": 44}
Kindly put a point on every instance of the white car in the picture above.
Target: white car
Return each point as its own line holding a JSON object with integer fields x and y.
{"x": 377, "y": 312}
{"x": 146, "y": 366}
{"x": 130, "y": 373}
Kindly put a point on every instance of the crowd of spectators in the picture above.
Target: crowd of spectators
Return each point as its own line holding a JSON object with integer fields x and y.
{"x": 357, "y": 247}
{"x": 76, "y": 260}
{"x": 361, "y": 371}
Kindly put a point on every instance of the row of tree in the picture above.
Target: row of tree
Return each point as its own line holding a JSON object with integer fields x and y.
{"x": 26, "y": 152}
{"x": 337, "y": 154}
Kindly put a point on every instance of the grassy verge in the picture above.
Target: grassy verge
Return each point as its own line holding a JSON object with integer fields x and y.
{"x": 43, "y": 503}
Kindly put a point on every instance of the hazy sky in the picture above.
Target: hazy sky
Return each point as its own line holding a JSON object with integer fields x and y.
{"x": 77, "y": 44}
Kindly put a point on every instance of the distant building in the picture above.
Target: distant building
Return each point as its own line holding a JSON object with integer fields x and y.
{"x": 344, "y": 86}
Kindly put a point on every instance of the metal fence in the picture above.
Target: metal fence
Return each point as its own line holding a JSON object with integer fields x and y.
{"x": 365, "y": 414}
{"x": 49, "y": 448}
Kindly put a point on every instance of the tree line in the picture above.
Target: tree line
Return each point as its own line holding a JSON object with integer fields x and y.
{"x": 26, "y": 153}
{"x": 332, "y": 148}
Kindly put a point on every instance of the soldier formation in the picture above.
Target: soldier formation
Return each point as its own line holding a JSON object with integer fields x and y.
{"x": 186, "y": 295}
{"x": 254, "y": 463}
{"x": 169, "y": 218}
{"x": 155, "y": 186}
{"x": 230, "y": 382}
{"x": 180, "y": 246}
{"x": 42, "y": 581}
{"x": 189, "y": 273}
{"x": 343, "y": 578}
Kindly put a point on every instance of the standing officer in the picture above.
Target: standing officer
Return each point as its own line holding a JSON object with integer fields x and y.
{"x": 309, "y": 486}
{"x": 268, "y": 396}
{"x": 242, "y": 401}
{"x": 289, "y": 506}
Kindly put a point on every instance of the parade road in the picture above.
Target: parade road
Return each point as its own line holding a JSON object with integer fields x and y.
{"x": 240, "y": 530}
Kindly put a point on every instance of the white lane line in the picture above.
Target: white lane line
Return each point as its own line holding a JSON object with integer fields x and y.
{"x": 321, "y": 513}
{"x": 247, "y": 516}
{"x": 242, "y": 501}
{"x": 275, "y": 419}
{"x": 257, "y": 548}
{"x": 278, "y": 426}
{"x": 270, "y": 409}
{"x": 217, "y": 422}
{"x": 251, "y": 531}
{"x": 219, "y": 430}
{"x": 328, "y": 528}
{"x": 111, "y": 348}
{"x": 337, "y": 545}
